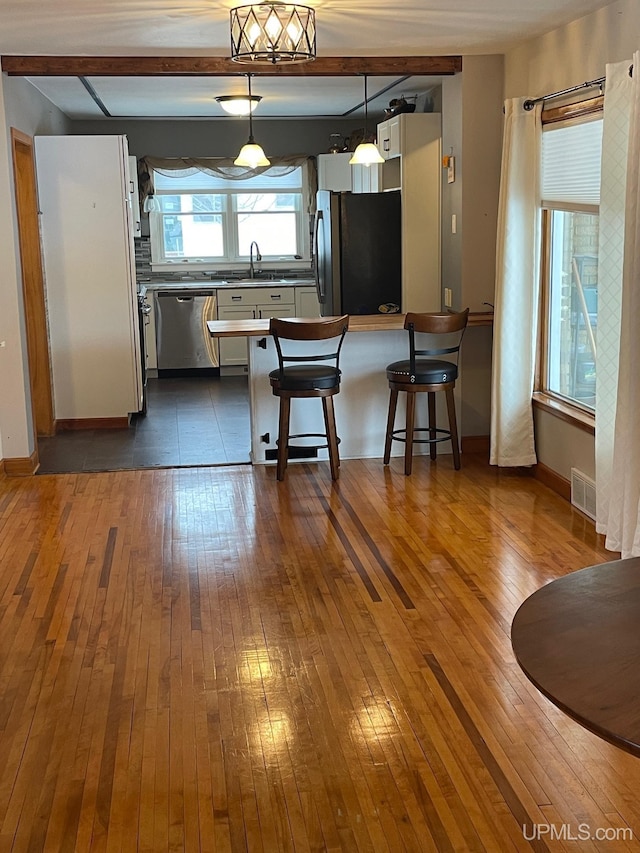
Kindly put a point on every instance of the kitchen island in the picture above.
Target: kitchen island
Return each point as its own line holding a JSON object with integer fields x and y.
{"x": 373, "y": 341}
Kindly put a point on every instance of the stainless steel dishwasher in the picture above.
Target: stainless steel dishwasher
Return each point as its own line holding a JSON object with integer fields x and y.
{"x": 183, "y": 340}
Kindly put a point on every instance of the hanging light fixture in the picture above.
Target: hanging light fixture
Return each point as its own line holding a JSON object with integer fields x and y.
{"x": 273, "y": 32}
{"x": 366, "y": 154}
{"x": 251, "y": 154}
{"x": 239, "y": 105}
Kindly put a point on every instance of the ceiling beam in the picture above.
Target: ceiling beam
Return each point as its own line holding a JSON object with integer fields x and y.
{"x": 219, "y": 66}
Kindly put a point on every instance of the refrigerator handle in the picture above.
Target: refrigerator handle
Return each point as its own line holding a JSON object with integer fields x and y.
{"x": 316, "y": 240}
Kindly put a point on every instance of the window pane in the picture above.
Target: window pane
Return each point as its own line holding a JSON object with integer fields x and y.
{"x": 275, "y": 233}
{"x": 267, "y": 202}
{"x": 197, "y": 236}
{"x": 573, "y": 306}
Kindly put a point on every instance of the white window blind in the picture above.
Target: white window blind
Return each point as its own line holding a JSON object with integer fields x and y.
{"x": 571, "y": 156}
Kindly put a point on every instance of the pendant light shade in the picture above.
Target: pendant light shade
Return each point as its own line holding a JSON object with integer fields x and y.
{"x": 251, "y": 154}
{"x": 273, "y": 32}
{"x": 366, "y": 154}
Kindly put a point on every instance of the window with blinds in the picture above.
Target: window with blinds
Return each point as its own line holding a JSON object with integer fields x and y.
{"x": 570, "y": 191}
{"x": 571, "y": 156}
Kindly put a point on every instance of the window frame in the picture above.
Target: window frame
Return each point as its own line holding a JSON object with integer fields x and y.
{"x": 234, "y": 261}
{"x": 556, "y": 404}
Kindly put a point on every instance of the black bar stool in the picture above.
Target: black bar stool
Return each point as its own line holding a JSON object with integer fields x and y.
{"x": 424, "y": 371}
{"x": 307, "y": 376}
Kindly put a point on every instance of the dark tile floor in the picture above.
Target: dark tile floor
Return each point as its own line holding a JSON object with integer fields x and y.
{"x": 189, "y": 421}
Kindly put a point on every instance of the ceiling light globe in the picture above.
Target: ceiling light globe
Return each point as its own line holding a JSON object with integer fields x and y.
{"x": 239, "y": 105}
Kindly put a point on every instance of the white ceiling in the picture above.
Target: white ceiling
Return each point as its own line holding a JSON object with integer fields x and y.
{"x": 193, "y": 28}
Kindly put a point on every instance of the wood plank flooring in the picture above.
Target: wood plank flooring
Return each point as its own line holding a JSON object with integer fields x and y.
{"x": 207, "y": 660}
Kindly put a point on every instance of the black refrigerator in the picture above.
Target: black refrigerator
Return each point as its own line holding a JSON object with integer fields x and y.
{"x": 358, "y": 258}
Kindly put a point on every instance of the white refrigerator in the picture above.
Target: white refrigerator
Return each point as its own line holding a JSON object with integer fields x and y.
{"x": 85, "y": 192}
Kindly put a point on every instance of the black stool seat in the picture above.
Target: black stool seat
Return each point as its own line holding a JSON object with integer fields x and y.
{"x": 426, "y": 371}
{"x": 306, "y": 377}
{"x": 308, "y": 374}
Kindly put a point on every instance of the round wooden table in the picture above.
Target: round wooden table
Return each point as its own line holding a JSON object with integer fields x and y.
{"x": 578, "y": 640}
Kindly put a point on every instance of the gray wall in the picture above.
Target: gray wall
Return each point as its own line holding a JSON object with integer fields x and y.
{"x": 221, "y": 137}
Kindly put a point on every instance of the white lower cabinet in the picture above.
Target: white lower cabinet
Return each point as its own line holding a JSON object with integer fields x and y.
{"x": 234, "y": 350}
{"x": 248, "y": 303}
{"x": 307, "y": 304}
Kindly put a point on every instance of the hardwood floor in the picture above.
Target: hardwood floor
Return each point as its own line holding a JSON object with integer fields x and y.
{"x": 204, "y": 659}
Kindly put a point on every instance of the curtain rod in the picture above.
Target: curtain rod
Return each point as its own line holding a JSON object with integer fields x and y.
{"x": 529, "y": 105}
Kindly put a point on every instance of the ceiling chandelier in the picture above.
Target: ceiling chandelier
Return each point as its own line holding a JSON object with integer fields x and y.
{"x": 273, "y": 32}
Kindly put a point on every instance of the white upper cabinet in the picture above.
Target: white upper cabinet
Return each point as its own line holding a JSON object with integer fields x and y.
{"x": 335, "y": 173}
{"x": 389, "y": 137}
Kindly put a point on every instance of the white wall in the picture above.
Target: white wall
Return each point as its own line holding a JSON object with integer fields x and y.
{"x": 562, "y": 58}
{"x": 575, "y": 53}
{"x": 22, "y": 107}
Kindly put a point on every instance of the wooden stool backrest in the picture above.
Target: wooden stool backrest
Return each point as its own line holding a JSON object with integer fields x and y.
{"x": 309, "y": 330}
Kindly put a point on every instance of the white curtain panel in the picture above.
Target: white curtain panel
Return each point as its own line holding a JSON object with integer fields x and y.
{"x": 622, "y": 525}
{"x": 517, "y": 288}
{"x": 615, "y": 150}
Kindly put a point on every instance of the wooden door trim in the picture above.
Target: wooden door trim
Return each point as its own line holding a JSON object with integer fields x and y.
{"x": 32, "y": 277}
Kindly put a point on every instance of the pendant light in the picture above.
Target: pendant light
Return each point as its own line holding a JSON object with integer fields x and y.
{"x": 273, "y": 31}
{"x": 366, "y": 154}
{"x": 251, "y": 154}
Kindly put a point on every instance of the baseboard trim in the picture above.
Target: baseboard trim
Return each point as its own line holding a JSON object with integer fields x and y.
{"x": 20, "y": 466}
{"x": 560, "y": 485}
{"x": 475, "y": 444}
{"x": 66, "y": 425}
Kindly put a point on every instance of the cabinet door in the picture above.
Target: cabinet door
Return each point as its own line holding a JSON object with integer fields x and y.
{"x": 366, "y": 179}
{"x": 334, "y": 172}
{"x": 234, "y": 350}
{"x": 307, "y": 304}
{"x": 388, "y": 134}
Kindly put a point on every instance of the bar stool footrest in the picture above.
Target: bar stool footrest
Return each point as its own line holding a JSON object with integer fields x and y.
{"x": 401, "y": 435}
{"x": 308, "y": 446}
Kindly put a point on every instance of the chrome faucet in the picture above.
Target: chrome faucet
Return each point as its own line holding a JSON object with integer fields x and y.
{"x": 252, "y": 271}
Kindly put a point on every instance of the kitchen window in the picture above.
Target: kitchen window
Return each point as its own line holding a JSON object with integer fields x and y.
{"x": 571, "y": 155}
{"x": 207, "y": 219}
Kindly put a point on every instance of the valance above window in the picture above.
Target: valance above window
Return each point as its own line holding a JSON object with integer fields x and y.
{"x": 222, "y": 167}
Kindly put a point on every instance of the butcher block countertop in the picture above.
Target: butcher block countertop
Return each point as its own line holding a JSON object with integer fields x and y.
{"x": 357, "y": 323}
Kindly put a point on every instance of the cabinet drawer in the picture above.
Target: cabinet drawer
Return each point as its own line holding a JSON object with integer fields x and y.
{"x": 257, "y": 296}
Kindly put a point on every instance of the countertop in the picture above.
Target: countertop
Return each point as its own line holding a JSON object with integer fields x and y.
{"x": 209, "y": 284}
{"x": 357, "y": 323}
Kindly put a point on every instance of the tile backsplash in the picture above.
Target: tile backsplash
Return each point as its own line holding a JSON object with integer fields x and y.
{"x": 145, "y": 273}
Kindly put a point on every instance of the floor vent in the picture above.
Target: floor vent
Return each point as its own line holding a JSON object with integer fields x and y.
{"x": 583, "y": 493}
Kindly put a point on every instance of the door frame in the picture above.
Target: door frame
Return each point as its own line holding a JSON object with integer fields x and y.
{"x": 33, "y": 289}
